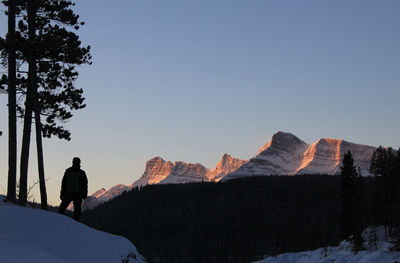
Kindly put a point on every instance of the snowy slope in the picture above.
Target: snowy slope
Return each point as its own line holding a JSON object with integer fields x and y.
{"x": 326, "y": 155}
{"x": 182, "y": 172}
{"x": 33, "y": 235}
{"x": 281, "y": 155}
{"x": 337, "y": 255}
{"x": 103, "y": 195}
{"x": 342, "y": 254}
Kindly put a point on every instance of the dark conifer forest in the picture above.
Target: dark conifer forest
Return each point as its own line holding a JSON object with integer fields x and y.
{"x": 236, "y": 221}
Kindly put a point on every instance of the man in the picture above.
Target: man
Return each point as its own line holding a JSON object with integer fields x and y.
{"x": 74, "y": 188}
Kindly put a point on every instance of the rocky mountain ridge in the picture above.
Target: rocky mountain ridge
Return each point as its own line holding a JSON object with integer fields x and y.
{"x": 285, "y": 154}
{"x": 159, "y": 171}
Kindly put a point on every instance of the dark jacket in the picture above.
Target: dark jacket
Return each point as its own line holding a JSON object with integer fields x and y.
{"x": 74, "y": 183}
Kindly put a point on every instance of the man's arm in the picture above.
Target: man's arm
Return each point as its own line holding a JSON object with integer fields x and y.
{"x": 63, "y": 182}
{"x": 84, "y": 184}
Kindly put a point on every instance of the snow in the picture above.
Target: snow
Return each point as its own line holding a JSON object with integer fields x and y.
{"x": 342, "y": 254}
{"x": 34, "y": 235}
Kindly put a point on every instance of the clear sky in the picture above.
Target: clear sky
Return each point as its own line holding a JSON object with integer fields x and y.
{"x": 191, "y": 80}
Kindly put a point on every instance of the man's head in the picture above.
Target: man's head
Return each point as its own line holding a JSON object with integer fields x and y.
{"x": 76, "y": 161}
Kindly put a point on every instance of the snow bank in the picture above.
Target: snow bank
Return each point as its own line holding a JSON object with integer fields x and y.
{"x": 341, "y": 254}
{"x": 33, "y": 235}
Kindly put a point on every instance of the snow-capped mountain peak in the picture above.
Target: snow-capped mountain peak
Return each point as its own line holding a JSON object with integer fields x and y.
{"x": 156, "y": 170}
{"x": 226, "y": 165}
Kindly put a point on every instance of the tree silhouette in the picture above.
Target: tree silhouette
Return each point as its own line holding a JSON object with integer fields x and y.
{"x": 12, "y": 118}
{"x": 385, "y": 165}
{"x": 47, "y": 42}
{"x": 351, "y": 222}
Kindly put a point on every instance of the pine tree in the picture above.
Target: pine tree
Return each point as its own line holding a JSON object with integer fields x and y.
{"x": 396, "y": 204}
{"x": 383, "y": 166}
{"x": 351, "y": 222}
{"x": 29, "y": 102}
{"x": 12, "y": 118}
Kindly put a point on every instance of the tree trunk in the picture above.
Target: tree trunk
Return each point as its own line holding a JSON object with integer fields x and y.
{"x": 12, "y": 116}
{"x": 29, "y": 104}
{"x": 35, "y": 103}
{"x": 26, "y": 138}
{"x": 36, "y": 109}
{"x": 39, "y": 145}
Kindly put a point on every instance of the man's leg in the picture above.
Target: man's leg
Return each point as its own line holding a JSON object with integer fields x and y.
{"x": 64, "y": 204}
{"x": 77, "y": 208}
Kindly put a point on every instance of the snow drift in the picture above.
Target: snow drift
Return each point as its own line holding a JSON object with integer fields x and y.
{"x": 343, "y": 253}
{"x": 33, "y": 235}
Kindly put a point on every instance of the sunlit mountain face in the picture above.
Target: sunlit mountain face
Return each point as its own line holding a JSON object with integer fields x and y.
{"x": 285, "y": 154}
{"x": 160, "y": 171}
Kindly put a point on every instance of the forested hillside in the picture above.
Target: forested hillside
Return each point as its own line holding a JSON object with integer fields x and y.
{"x": 235, "y": 221}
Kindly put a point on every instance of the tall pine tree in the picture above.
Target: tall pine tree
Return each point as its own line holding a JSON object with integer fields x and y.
{"x": 385, "y": 165}
{"x": 12, "y": 97}
{"x": 382, "y": 167}
{"x": 351, "y": 220}
{"x": 396, "y": 205}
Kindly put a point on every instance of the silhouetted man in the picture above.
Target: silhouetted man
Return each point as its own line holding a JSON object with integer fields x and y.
{"x": 73, "y": 188}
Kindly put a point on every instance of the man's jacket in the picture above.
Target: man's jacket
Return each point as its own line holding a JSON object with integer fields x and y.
{"x": 74, "y": 183}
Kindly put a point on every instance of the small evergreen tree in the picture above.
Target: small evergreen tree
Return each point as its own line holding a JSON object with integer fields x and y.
{"x": 372, "y": 237}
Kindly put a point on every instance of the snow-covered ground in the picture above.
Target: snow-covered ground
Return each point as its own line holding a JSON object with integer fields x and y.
{"x": 342, "y": 254}
{"x": 34, "y": 235}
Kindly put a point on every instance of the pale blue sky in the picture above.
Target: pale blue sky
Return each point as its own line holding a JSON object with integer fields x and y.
{"x": 191, "y": 80}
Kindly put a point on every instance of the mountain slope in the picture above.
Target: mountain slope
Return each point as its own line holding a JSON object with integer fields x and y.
{"x": 102, "y": 195}
{"x": 281, "y": 155}
{"x": 33, "y": 235}
{"x": 326, "y": 155}
{"x": 287, "y": 154}
{"x": 182, "y": 172}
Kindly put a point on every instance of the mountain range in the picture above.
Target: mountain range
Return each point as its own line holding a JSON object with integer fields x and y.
{"x": 159, "y": 171}
{"x": 284, "y": 154}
